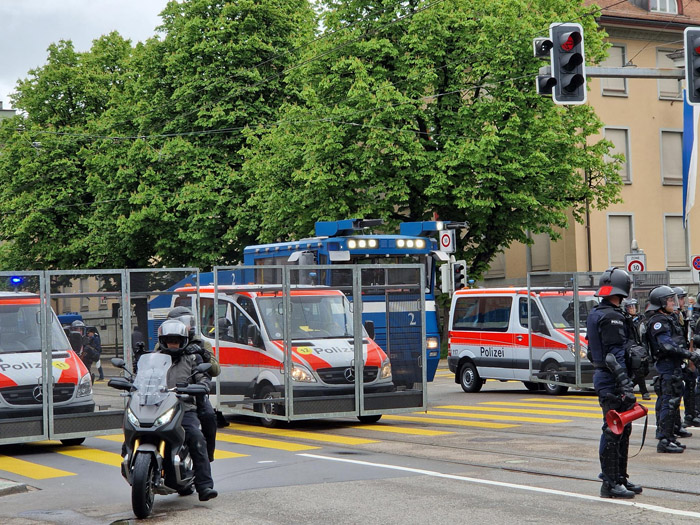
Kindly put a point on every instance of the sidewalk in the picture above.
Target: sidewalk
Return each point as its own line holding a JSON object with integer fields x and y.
{"x": 11, "y": 487}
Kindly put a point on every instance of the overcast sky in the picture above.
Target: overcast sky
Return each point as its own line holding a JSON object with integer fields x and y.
{"x": 27, "y": 27}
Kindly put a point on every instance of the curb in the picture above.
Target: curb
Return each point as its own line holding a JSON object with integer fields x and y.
{"x": 8, "y": 487}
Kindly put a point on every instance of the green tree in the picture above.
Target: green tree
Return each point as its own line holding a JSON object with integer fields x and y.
{"x": 419, "y": 108}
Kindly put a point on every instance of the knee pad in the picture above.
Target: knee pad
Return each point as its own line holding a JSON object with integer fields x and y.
{"x": 674, "y": 403}
{"x": 677, "y": 386}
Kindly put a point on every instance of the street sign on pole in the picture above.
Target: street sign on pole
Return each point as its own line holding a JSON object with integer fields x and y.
{"x": 695, "y": 267}
{"x": 447, "y": 241}
{"x": 635, "y": 262}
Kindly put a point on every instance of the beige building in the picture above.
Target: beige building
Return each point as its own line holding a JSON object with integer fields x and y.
{"x": 643, "y": 118}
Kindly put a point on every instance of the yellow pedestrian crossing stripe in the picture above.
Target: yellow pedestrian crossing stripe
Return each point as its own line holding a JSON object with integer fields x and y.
{"x": 523, "y": 419}
{"x": 446, "y": 421}
{"x": 262, "y": 442}
{"x": 30, "y": 470}
{"x": 481, "y": 408}
{"x": 402, "y": 430}
{"x": 297, "y": 434}
{"x": 91, "y": 454}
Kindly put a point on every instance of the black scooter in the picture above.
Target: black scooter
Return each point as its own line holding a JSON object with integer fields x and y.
{"x": 157, "y": 459}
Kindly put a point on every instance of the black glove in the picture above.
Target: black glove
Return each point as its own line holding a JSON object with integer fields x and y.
{"x": 194, "y": 348}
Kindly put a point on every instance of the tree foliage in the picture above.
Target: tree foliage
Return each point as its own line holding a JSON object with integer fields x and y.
{"x": 235, "y": 124}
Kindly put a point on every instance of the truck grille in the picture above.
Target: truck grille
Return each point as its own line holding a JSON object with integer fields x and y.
{"x": 32, "y": 394}
{"x": 338, "y": 376}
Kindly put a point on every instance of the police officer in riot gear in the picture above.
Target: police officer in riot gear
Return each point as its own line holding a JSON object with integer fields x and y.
{"x": 667, "y": 343}
{"x": 173, "y": 340}
{"x": 638, "y": 363}
{"x": 196, "y": 345}
{"x": 688, "y": 371}
{"x": 608, "y": 332}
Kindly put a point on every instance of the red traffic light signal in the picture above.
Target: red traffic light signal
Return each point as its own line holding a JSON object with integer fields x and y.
{"x": 568, "y": 66}
{"x": 691, "y": 39}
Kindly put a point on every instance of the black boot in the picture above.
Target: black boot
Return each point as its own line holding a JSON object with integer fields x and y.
{"x": 615, "y": 491}
{"x": 683, "y": 433}
{"x": 637, "y": 489}
{"x": 669, "y": 447}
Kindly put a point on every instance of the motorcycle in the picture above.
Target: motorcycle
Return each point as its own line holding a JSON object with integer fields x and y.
{"x": 156, "y": 459}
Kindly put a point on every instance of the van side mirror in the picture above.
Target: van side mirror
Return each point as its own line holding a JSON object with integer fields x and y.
{"x": 369, "y": 326}
{"x": 538, "y": 325}
{"x": 253, "y": 336}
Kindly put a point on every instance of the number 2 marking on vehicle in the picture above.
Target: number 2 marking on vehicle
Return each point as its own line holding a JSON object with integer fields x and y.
{"x": 412, "y": 319}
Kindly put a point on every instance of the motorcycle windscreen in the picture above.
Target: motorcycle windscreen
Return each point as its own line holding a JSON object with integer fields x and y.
{"x": 151, "y": 381}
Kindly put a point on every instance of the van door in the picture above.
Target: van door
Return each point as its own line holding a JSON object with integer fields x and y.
{"x": 481, "y": 329}
{"x": 541, "y": 340}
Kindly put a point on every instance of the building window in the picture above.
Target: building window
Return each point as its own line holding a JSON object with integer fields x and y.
{"x": 614, "y": 87}
{"x": 669, "y": 89}
{"x": 676, "y": 242}
{"x": 497, "y": 269}
{"x": 619, "y": 238}
{"x": 540, "y": 253}
{"x": 663, "y": 6}
{"x": 621, "y": 145}
{"x": 671, "y": 157}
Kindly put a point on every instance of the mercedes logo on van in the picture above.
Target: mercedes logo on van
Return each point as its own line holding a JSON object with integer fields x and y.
{"x": 350, "y": 374}
{"x": 38, "y": 393}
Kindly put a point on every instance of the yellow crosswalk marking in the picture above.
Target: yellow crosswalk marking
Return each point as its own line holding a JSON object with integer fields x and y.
{"x": 119, "y": 438}
{"x": 543, "y": 405}
{"x": 524, "y": 411}
{"x": 91, "y": 454}
{"x": 225, "y": 454}
{"x": 297, "y": 434}
{"x": 522, "y": 419}
{"x": 261, "y": 442}
{"x": 445, "y": 421}
{"x": 30, "y": 470}
{"x": 402, "y": 430}
{"x": 564, "y": 400}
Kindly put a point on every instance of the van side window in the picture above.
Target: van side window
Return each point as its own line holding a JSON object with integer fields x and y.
{"x": 522, "y": 311}
{"x": 240, "y": 325}
{"x": 491, "y": 314}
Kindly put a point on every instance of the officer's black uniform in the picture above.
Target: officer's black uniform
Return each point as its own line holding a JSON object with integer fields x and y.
{"x": 608, "y": 332}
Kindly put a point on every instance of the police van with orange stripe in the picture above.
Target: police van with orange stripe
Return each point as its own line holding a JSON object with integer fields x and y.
{"x": 251, "y": 342}
{"x": 489, "y": 337}
{"x": 21, "y": 391}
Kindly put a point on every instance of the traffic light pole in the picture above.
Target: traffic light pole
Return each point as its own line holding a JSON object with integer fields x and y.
{"x": 628, "y": 72}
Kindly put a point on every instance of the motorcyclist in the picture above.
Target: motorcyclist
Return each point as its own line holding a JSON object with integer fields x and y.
{"x": 667, "y": 343}
{"x": 196, "y": 345}
{"x": 173, "y": 340}
{"x": 609, "y": 332}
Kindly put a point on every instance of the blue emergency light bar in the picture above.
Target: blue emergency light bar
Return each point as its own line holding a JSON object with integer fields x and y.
{"x": 16, "y": 281}
{"x": 345, "y": 227}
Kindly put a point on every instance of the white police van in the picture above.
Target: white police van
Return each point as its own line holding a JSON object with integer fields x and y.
{"x": 489, "y": 337}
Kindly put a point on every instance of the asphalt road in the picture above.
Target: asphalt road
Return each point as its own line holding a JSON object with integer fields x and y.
{"x": 504, "y": 455}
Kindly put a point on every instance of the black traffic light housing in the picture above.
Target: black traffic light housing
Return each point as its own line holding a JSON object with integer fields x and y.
{"x": 458, "y": 275}
{"x": 568, "y": 63}
{"x": 542, "y": 48}
{"x": 691, "y": 39}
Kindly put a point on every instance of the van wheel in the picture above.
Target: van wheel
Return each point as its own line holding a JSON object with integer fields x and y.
{"x": 74, "y": 442}
{"x": 532, "y": 387}
{"x": 267, "y": 392}
{"x": 469, "y": 378}
{"x": 552, "y": 373}
{"x": 369, "y": 419}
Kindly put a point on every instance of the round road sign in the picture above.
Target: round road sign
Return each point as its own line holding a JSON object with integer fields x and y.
{"x": 635, "y": 266}
{"x": 446, "y": 240}
{"x": 696, "y": 263}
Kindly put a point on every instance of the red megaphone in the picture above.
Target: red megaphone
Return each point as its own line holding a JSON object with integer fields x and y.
{"x": 616, "y": 421}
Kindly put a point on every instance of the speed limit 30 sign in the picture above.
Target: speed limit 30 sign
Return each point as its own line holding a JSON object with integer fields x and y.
{"x": 447, "y": 241}
{"x": 635, "y": 262}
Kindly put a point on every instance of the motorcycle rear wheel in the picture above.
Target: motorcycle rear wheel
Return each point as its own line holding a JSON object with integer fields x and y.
{"x": 142, "y": 493}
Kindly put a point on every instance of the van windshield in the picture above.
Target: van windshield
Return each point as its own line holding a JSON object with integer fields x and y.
{"x": 313, "y": 316}
{"x": 560, "y": 309}
{"x": 20, "y": 330}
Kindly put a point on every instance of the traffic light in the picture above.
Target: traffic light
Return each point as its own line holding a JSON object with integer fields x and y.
{"x": 568, "y": 64}
{"x": 445, "y": 279}
{"x": 458, "y": 275}
{"x": 692, "y": 63}
{"x": 542, "y": 48}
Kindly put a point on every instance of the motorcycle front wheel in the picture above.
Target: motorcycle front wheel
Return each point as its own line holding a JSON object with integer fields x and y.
{"x": 142, "y": 493}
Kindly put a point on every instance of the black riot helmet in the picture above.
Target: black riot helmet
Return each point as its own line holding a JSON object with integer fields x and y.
{"x": 614, "y": 281}
{"x": 680, "y": 292}
{"x": 185, "y": 316}
{"x": 172, "y": 331}
{"x": 658, "y": 298}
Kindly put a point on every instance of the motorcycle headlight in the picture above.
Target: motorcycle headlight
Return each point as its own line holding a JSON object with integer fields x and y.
{"x": 132, "y": 418}
{"x": 165, "y": 418}
{"x": 85, "y": 386}
{"x": 302, "y": 374}
{"x": 385, "y": 370}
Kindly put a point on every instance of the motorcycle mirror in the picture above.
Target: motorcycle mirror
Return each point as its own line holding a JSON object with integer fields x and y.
{"x": 203, "y": 367}
{"x": 118, "y": 362}
{"x": 120, "y": 383}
